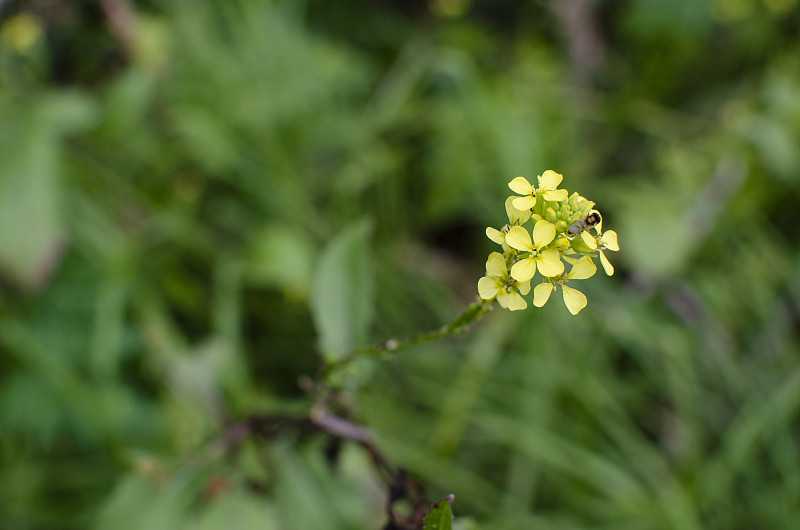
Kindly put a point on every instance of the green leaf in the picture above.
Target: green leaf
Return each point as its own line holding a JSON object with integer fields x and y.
{"x": 440, "y": 516}
{"x": 300, "y": 494}
{"x": 32, "y": 231}
{"x": 341, "y": 301}
{"x": 283, "y": 257}
{"x": 238, "y": 510}
{"x": 167, "y": 504}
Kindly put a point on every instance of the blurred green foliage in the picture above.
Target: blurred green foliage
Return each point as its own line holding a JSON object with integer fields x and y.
{"x": 199, "y": 201}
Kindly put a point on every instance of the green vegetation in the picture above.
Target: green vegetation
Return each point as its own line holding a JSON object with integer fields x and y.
{"x": 204, "y": 204}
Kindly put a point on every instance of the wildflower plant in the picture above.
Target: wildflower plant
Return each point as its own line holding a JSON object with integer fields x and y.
{"x": 548, "y": 232}
{"x": 566, "y": 230}
{"x": 550, "y": 235}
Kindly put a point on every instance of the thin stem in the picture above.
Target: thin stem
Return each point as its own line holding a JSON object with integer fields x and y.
{"x": 461, "y": 323}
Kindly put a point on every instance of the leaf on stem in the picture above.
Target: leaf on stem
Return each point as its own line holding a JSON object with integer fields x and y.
{"x": 440, "y": 516}
{"x": 341, "y": 299}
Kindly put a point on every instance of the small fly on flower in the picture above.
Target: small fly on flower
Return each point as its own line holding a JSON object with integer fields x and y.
{"x": 584, "y": 224}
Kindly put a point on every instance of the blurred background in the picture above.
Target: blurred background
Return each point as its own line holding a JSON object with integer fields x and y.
{"x": 197, "y": 198}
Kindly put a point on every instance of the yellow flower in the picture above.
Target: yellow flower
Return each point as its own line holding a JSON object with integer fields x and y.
{"x": 547, "y": 261}
{"x": 573, "y": 299}
{"x": 521, "y": 186}
{"x": 497, "y": 284}
{"x": 548, "y": 186}
{"x": 601, "y": 242}
{"x": 548, "y": 189}
{"x": 607, "y": 241}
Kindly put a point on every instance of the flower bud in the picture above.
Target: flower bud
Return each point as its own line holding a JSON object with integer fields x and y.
{"x": 578, "y": 245}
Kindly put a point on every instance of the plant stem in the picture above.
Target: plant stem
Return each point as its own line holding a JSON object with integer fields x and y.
{"x": 461, "y": 323}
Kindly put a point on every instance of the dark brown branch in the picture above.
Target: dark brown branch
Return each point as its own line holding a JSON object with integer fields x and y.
{"x": 122, "y": 22}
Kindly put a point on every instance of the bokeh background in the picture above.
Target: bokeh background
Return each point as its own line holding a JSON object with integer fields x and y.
{"x": 181, "y": 183}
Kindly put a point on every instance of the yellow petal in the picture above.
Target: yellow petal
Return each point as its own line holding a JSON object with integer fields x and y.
{"x": 519, "y": 238}
{"x": 550, "y": 263}
{"x": 502, "y": 298}
{"x": 496, "y": 266}
{"x": 543, "y": 233}
{"x": 521, "y": 185}
{"x": 541, "y": 293}
{"x": 574, "y": 299}
{"x": 610, "y": 240}
{"x": 489, "y": 287}
{"x": 524, "y": 203}
{"x": 516, "y": 216}
{"x": 495, "y": 235}
{"x": 549, "y": 180}
{"x": 524, "y": 287}
{"x": 515, "y": 302}
{"x": 606, "y": 264}
{"x": 583, "y": 269}
{"x": 555, "y": 195}
{"x": 589, "y": 239}
{"x": 523, "y": 270}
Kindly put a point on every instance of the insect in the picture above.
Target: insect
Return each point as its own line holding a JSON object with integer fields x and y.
{"x": 583, "y": 224}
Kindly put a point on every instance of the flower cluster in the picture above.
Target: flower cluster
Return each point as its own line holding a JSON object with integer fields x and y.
{"x": 566, "y": 230}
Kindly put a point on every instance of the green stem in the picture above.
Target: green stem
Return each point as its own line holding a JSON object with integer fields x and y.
{"x": 461, "y": 323}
